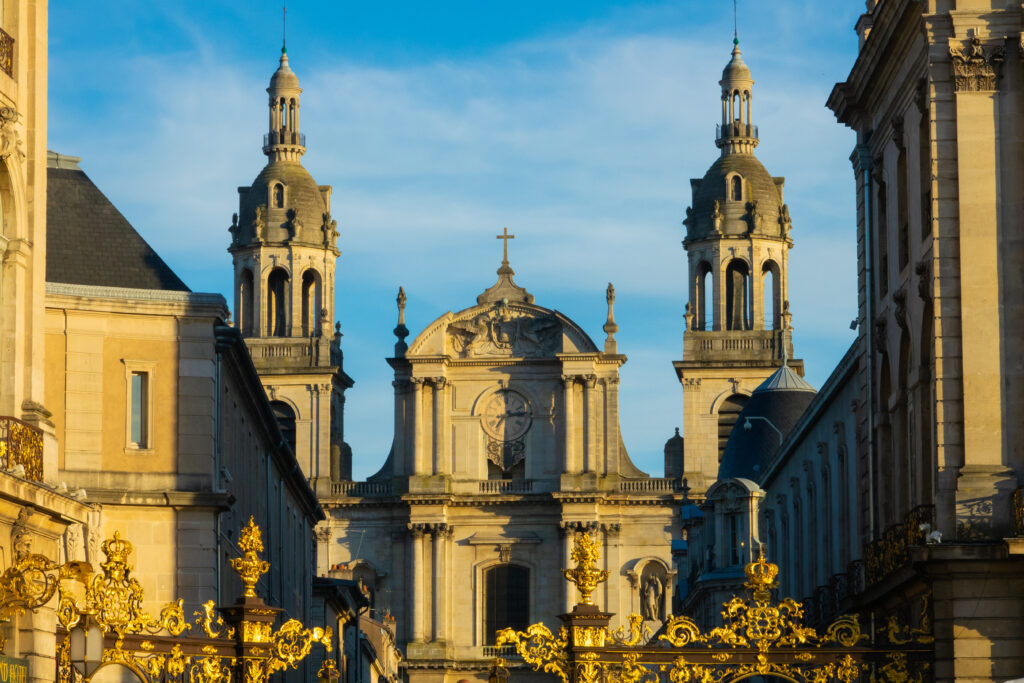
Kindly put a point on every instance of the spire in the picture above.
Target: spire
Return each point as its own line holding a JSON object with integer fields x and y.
{"x": 401, "y": 331}
{"x": 610, "y": 328}
{"x": 283, "y": 141}
{"x": 736, "y": 133}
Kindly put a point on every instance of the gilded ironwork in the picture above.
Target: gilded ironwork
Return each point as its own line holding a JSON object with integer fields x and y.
{"x": 244, "y": 646}
{"x": 1018, "y": 513}
{"x": 250, "y": 567}
{"x": 759, "y": 636}
{"x": 21, "y": 444}
{"x": 540, "y": 648}
{"x": 6, "y": 53}
{"x": 585, "y": 553}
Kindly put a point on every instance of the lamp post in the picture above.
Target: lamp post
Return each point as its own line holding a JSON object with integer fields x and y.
{"x": 747, "y": 426}
{"x": 86, "y": 645}
{"x": 499, "y": 674}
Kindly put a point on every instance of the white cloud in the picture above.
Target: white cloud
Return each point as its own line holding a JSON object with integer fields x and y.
{"x": 583, "y": 145}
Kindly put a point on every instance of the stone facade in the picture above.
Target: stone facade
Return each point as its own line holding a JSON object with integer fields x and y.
{"x": 284, "y": 250}
{"x": 738, "y": 323}
{"x": 506, "y": 444}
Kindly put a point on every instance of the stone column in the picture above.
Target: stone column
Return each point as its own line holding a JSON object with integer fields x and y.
{"x": 400, "y": 433}
{"x": 416, "y": 537}
{"x": 718, "y": 295}
{"x": 611, "y": 422}
{"x": 612, "y": 563}
{"x": 441, "y": 459}
{"x": 572, "y": 465}
{"x": 417, "y": 425}
{"x": 441, "y": 534}
{"x": 567, "y": 532}
{"x": 591, "y": 459}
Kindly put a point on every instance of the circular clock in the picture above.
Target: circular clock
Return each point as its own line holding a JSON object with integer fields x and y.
{"x": 506, "y": 416}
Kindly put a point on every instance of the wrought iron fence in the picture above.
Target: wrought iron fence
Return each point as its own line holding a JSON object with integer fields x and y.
{"x": 21, "y": 444}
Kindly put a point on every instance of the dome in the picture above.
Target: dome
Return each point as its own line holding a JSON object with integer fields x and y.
{"x": 736, "y": 71}
{"x": 758, "y": 185}
{"x": 302, "y": 196}
{"x": 781, "y": 400}
{"x": 284, "y": 78}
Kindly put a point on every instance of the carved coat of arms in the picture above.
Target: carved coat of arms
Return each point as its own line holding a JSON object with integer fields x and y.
{"x": 503, "y": 331}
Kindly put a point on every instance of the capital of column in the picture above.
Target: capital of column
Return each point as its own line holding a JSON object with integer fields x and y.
{"x": 416, "y": 530}
{"x": 569, "y": 380}
{"x": 439, "y": 382}
{"x": 590, "y": 381}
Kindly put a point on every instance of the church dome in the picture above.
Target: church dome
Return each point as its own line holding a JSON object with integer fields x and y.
{"x": 736, "y": 70}
{"x": 757, "y": 185}
{"x": 303, "y": 204}
{"x": 284, "y": 78}
{"x": 674, "y": 455}
{"x": 781, "y": 400}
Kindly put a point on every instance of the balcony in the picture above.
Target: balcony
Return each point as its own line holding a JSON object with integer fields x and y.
{"x": 506, "y": 486}
{"x": 652, "y": 485}
{"x": 284, "y": 138}
{"x": 504, "y": 651}
{"x": 890, "y": 552}
{"x": 735, "y": 130}
{"x": 359, "y": 489}
{"x": 703, "y": 345}
{"x": 6, "y": 53}
{"x": 21, "y": 444}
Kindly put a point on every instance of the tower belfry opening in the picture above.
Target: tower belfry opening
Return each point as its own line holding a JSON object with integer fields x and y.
{"x": 737, "y": 245}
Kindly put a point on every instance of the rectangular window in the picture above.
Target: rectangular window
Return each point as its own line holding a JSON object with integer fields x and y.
{"x": 139, "y": 405}
{"x": 734, "y": 540}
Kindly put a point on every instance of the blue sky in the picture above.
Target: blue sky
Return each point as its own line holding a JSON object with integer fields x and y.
{"x": 576, "y": 124}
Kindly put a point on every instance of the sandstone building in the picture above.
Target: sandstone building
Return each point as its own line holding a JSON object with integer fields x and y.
{"x": 738, "y": 323}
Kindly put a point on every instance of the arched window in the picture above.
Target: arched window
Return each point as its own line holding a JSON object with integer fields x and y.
{"x": 728, "y": 413}
{"x": 278, "y": 196}
{"x": 310, "y": 303}
{"x": 277, "y": 296}
{"x": 506, "y": 600}
{"x": 737, "y": 188}
{"x": 737, "y": 106}
{"x": 245, "y": 296}
{"x": 285, "y": 417}
{"x": 771, "y": 286}
{"x": 737, "y": 314}
{"x": 705, "y": 297}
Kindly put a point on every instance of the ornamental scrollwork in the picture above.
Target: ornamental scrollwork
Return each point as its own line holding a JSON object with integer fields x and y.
{"x": 539, "y": 648}
{"x": 585, "y": 553}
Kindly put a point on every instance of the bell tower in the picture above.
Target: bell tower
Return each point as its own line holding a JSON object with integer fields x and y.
{"x": 737, "y": 316}
{"x": 284, "y": 251}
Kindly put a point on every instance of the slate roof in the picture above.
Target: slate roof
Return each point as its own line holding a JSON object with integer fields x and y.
{"x": 89, "y": 242}
{"x": 780, "y": 399}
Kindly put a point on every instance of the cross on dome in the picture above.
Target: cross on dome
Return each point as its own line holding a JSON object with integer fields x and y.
{"x": 505, "y": 236}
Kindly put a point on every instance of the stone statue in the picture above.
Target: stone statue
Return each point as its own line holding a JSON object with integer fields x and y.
{"x": 651, "y": 602}
{"x": 689, "y": 316}
{"x": 754, "y": 216}
{"x": 294, "y": 224}
{"x": 233, "y": 229}
{"x": 330, "y": 230}
{"x": 784, "y": 220}
{"x": 258, "y": 224}
{"x": 716, "y": 216}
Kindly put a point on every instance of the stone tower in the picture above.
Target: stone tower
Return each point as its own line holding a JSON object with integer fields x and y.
{"x": 737, "y": 319}
{"x": 284, "y": 249}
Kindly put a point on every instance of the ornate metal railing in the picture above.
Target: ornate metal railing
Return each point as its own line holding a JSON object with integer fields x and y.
{"x": 284, "y": 138}
{"x": 890, "y": 552}
{"x": 1018, "y": 513}
{"x": 506, "y": 486}
{"x": 362, "y": 488}
{"x": 21, "y": 444}
{"x": 6, "y": 53}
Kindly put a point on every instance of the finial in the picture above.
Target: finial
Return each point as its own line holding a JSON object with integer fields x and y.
{"x": 585, "y": 553}
{"x": 250, "y": 567}
{"x": 401, "y": 331}
{"x": 284, "y": 28}
{"x": 610, "y": 328}
{"x": 785, "y": 352}
{"x": 504, "y": 252}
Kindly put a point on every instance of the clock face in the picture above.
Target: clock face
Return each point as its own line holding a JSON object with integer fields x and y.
{"x": 506, "y": 416}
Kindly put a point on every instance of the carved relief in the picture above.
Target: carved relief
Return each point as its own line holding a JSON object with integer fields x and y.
{"x": 975, "y": 67}
{"x": 21, "y": 535}
{"x": 503, "y": 331}
{"x": 10, "y": 139}
{"x": 506, "y": 454}
{"x": 899, "y": 299}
